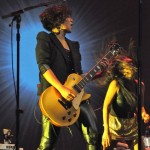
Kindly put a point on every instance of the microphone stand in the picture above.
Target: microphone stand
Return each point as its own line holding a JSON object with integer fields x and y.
{"x": 139, "y": 76}
{"x": 17, "y": 17}
{"x": 18, "y": 110}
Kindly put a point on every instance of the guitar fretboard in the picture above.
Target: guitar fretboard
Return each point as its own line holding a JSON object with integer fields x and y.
{"x": 100, "y": 66}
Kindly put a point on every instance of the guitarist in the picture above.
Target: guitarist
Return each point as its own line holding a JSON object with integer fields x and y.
{"x": 57, "y": 57}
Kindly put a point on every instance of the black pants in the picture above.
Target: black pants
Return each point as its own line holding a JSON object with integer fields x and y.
{"x": 87, "y": 125}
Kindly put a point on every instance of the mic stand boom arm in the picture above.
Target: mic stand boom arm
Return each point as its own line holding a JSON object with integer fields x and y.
{"x": 18, "y": 12}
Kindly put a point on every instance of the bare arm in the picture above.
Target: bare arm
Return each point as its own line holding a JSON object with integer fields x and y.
{"x": 112, "y": 90}
{"x": 52, "y": 79}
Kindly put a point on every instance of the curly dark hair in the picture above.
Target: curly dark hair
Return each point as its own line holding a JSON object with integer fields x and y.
{"x": 54, "y": 16}
{"x": 123, "y": 62}
{"x": 114, "y": 71}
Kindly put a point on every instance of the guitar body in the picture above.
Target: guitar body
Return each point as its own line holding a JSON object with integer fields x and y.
{"x": 59, "y": 111}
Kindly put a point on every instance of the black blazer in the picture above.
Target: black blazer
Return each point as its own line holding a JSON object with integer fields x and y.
{"x": 50, "y": 51}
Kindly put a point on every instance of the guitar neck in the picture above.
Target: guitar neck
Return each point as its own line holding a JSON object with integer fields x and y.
{"x": 100, "y": 66}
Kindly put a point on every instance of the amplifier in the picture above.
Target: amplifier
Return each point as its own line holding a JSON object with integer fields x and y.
{"x": 8, "y": 147}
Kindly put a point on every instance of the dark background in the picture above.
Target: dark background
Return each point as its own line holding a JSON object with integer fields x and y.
{"x": 95, "y": 23}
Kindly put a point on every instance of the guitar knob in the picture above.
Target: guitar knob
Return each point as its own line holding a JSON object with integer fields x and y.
{"x": 74, "y": 115}
{"x": 69, "y": 112}
{"x": 69, "y": 119}
{"x": 64, "y": 117}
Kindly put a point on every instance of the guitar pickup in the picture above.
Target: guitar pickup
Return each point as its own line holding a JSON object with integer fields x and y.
{"x": 66, "y": 104}
{"x": 76, "y": 88}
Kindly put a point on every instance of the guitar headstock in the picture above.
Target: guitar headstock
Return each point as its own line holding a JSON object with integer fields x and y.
{"x": 115, "y": 48}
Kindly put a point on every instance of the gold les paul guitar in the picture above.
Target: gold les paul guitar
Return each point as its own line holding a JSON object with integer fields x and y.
{"x": 62, "y": 112}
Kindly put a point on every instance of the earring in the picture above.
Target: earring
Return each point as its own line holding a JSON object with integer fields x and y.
{"x": 55, "y": 30}
{"x": 62, "y": 27}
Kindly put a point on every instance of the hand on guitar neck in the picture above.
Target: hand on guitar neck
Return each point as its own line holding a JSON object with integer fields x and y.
{"x": 70, "y": 94}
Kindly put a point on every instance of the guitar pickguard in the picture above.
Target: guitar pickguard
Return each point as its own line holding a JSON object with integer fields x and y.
{"x": 77, "y": 100}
